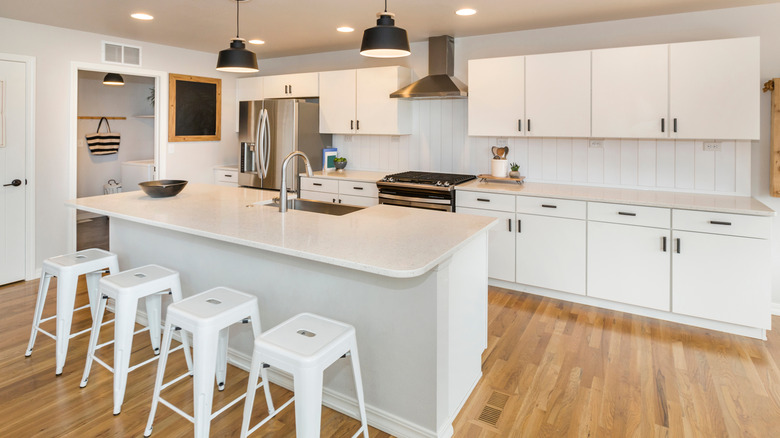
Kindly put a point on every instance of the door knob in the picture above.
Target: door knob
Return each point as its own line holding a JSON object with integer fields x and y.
{"x": 15, "y": 183}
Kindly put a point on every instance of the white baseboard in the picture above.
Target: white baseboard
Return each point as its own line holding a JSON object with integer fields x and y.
{"x": 776, "y": 309}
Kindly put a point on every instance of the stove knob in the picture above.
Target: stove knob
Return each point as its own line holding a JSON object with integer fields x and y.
{"x": 390, "y": 179}
{"x": 439, "y": 184}
{"x": 446, "y": 183}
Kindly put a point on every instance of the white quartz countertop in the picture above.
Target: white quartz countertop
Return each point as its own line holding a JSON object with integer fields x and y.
{"x": 652, "y": 198}
{"x": 385, "y": 240}
{"x": 352, "y": 175}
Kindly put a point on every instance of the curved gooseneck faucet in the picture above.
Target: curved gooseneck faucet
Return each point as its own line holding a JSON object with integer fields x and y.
{"x": 283, "y": 185}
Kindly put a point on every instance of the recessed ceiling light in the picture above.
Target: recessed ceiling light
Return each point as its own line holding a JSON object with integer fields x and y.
{"x": 142, "y": 16}
{"x": 466, "y": 11}
{"x": 256, "y": 42}
{"x": 345, "y": 29}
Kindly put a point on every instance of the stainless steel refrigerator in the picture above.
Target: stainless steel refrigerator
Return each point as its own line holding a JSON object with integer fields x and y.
{"x": 268, "y": 131}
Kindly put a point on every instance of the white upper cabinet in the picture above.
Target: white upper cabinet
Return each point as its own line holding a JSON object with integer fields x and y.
{"x": 557, "y": 95}
{"x": 292, "y": 85}
{"x": 631, "y": 92}
{"x": 249, "y": 89}
{"x": 714, "y": 89}
{"x": 358, "y": 101}
{"x": 497, "y": 96}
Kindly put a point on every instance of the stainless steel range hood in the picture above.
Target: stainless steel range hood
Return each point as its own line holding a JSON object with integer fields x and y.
{"x": 440, "y": 82}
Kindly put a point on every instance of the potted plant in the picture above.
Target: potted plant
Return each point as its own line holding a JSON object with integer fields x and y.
{"x": 340, "y": 163}
{"x": 514, "y": 173}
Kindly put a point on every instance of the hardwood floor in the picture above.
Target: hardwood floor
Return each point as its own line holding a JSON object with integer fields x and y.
{"x": 552, "y": 369}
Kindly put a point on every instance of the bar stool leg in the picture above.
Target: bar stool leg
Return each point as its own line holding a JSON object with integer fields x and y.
{"x": 249, "y": 401}
{"x": 358, "y": 387}
{"x": 221, "y": 364}
{"x": 158, "y": 381}
{"x": 93, "y": 290}
{"x": 124, "y": 323}
{"x": 93, "y": 340}
{"x": 256, "y": 330}
{"x": 43, "y": 289}
{"x": 307, "y": 384}
{"x": 203, "y": 388}
{"x": 153, "y": 317}
{"x": 176, "y": 295}
{"x": 66, "y": 300}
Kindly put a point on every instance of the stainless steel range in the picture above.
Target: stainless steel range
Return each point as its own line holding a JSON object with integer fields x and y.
{"x": 426, "y": 190}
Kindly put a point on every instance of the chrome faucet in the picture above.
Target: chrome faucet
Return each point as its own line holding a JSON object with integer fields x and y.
{"x": 283, "y": 185}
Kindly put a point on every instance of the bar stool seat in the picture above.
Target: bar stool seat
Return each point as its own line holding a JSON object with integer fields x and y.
{"x": 67, "y": 268}
{"x": 126, "y": 288}
{"x": 207, "y": 316}
{"x": 304, "y": 346}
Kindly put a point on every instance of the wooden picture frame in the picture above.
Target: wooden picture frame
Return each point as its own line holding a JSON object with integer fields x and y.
{"x": 194, "y": 108}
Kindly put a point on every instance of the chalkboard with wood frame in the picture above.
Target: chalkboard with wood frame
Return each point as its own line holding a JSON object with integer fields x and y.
{"x": 194, "y": 108}
{"x": 774, "y": 86}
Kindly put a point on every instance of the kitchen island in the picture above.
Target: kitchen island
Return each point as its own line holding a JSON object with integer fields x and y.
{"x": 412, "y": 282}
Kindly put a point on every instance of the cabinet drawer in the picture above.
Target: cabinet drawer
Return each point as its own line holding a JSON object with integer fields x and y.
{"x": 629, "y": 214}
{"x": 320, "y": 185}
{"x": 228, "y": 176}
{"x": 358, "y": 188}
{"x": 551, "y": 207}
{"x": 722, "y": 223}
{"x": 360, "y": 201}
{"x": 486, "y": 201}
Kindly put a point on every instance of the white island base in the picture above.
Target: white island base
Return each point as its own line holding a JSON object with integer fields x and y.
{"x": 420, "y": 339}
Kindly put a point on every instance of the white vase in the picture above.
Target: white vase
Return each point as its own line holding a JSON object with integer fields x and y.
{"x": 498, "y": 168}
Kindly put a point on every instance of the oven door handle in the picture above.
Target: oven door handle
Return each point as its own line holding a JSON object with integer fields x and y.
{"x": 413, "y": 199}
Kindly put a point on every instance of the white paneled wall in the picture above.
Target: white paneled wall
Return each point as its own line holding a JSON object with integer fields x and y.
{"x": 439, "y": 142}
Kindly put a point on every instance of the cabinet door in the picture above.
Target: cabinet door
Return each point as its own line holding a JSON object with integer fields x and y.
{"x": 361, "y": 201}
{"x": 551, "y": 253}
{"x": 292, "y": 85}
{"x": 497, "y": 96}
{"x": 631, "y": 92}
{"x": 376, "y": 112}
{"x": 557, "y": 94}
{"x": 337, "y": 102}
{"x": 629, "y": 264}
{"x": 501, "y": 243}
{"x": 319, "y": 196}
{"x": 249, "y": 89}
{"x": 723, "y": 278}
{"x": 715, "y": 88}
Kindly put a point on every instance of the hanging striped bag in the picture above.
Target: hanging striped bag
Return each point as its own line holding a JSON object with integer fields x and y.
{"x": 103, "y": 143}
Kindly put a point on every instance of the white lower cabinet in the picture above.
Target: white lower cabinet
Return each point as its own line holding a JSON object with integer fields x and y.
{"x": 629, "y": 264}
{"x": 359, "y": 193}
{"x": 550, "y": 253}
{"x": 501, "y": 243}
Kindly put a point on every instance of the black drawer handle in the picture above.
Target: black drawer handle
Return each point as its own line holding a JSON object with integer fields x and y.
{"x": 549, "y": 206}
{"x": 483, "y": 200}
{"x": 625, "y": 213}
{"x": 358, "y": 188}
{"x": 316, "y": 184}
{"x": 720, "y": 223}
{"x": 229, "y": 176}
{"x": 663, "y": 244}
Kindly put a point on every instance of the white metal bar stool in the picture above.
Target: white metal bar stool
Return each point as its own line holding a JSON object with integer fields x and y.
{"x": 207, "y": 316}
{"x": 304, "y": 345}
{"x": 126, "y": 288}
{"x": 67, "y": 268}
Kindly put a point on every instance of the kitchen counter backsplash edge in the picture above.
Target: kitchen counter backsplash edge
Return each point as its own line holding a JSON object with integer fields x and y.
{"x": 651, "y": 198}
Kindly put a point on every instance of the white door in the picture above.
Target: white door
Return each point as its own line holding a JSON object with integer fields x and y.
{"x": 557, "y": 94}
{"x": 715, "y": 89}
{"x": 337, "y": 102}
{"x": 12, "y": 168}
{"x": 631, "y": 92}
{"x": 629, "y": 264}
{"x": 501, "y": 243}
{"x": 496, "y": 96}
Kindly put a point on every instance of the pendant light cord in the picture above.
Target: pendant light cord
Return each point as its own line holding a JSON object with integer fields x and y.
{"x": 237, "y": 3}
{"x": 385, "y": 5}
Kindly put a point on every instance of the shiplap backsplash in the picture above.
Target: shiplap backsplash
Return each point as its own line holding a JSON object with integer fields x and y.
{"x": 439, "y": 142}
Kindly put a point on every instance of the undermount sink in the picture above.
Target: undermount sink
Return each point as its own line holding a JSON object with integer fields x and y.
{"x": 316, "y": 206}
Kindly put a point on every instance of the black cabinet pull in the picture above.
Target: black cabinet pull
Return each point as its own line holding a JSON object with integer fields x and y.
{"x": 529, "y": 125}
{"x": 720, "y": 223}
{"x": 316, "y": 184}
{"x": 520, "y": 125}
{"x": 285, "y": 89}
{"x": 625, "y": 213}
{"x": 519, "y": 226}
{"x": 663, "y": 244}
{"x": 483, "y": 200}
{"x": 229, "y": 176}
{"x": 339, "y": 201}
{"x": 358, "y": 188}
{"x": 678, "y": 245}
{"x": 549, "y": 206}
{"x": 334, "y": 200}
{"x": 351, "y": 124}
{"x": 675, "y": 125}
{"x": 290, "y": 88}
{"x": 357, "y": 125}
{"x": 509, "y": 224}
{"x": 663, "y": 124}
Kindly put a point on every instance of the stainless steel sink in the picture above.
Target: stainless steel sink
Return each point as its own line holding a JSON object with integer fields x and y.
{"x": 316, "y": 206}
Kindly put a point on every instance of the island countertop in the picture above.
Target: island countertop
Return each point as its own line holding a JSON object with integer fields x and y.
{"x": 386, "y": 240}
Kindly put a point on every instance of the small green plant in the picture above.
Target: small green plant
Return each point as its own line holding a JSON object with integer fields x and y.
{"x": 339, "y": 160}
{"x": 514, "y": 166}
{"x": 150, "y": 97}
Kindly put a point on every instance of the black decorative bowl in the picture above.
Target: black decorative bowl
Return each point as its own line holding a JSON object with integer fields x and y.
{"x": 163, "y": 188}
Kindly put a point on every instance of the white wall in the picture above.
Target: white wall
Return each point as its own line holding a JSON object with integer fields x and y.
{"x": 727, "y": 23}
{"x": 137, "y": 141}
{"x": 55, "y": 49}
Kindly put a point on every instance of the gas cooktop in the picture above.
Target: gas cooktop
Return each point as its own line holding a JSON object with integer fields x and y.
{"x": 427, "y": 178}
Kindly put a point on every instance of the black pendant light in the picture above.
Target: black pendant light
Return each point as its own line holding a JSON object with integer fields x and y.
{"x": 237, "y": 59}
{"x": 113, "y": 79}
{"x": 385, "y": 40}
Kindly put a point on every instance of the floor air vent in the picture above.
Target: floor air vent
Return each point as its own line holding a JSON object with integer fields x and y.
{"x": 493, "y": 408}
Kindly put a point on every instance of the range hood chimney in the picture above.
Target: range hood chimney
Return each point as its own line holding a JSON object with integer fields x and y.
{"x": 440, "y": 82}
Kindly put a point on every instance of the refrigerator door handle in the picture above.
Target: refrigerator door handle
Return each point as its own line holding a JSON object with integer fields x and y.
{"x": 266, "y": 143}
{"x": 258, "y": 146}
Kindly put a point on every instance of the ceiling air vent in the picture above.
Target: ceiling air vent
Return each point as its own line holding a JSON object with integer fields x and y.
{"x": 115, "y": 53}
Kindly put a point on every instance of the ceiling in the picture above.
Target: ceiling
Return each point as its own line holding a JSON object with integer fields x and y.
{"x": 295, "y": 27}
